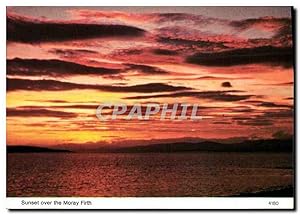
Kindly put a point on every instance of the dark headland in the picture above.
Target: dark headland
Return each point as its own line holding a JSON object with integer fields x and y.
{"x": 270, "y": 145}
{"x": 32, "y": 149}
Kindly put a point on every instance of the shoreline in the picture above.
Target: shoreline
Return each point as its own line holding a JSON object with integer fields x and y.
{"x": 287, "y": 191}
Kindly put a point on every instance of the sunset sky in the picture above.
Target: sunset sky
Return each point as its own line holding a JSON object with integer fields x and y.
{"x": 62, "y": 62}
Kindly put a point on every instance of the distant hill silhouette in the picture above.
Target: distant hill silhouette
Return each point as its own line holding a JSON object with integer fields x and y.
{"x": 31, "y": 149}
{"x": 270, "y": 145}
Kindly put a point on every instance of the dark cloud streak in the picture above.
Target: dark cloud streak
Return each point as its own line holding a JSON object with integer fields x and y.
{"x": 53, "y": 68}
{"x": 59, "y": 68}
{"x": 29, "y": 31}
{"x": 52, "y": 85}
{"x": 270, "y": 55}
{"x": 38, "y": 112}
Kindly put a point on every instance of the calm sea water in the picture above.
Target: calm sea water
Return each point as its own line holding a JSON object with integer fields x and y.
{"x": 156, "y": 174}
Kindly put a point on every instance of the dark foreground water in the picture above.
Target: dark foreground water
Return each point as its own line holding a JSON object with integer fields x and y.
{"x": 153, "y": 174}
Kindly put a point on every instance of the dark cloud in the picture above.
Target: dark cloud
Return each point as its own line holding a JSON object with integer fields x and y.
{"x": 267, "y": 104}
{"x": 263, "y": 22}
{"x": 271, "y": 104}
{"x": 38, "y": 112}
{"x": 281, "y": 27}
{"x": 167, "y": 17}
{"x": 285, "y": 29}
{"x": 30, "y": 31}
{"x": 52, "y": 85}
{"x": 209, "y": 77}
{"x": 256, "y": 122}
{"x": 265, "y": 119}
{"x": 240, "y": 118}
{"x": 289, "y": 98}
{"x": 222, "y": 123}
{"x": 284, "y": 84}
{"x": 270, "y": 55}
{"x": 241, "y": 110}
{"x": 50, "y": 100}
{"x": 164, "y": 52}
{"x": 278, "y": 84}
{"x": 53, "y": 68}
{"x": 190, "y": 43}
{"x": 225, "y": 96}
{"x": 253, "y": 121}
{"x": 280, "y": 114}
{"x": 226, "y": 84}
{"x": 58, "y": 68}
{"x": 154, "y": 18}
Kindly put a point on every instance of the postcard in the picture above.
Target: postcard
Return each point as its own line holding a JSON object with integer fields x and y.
{"x": 157, "y": 107}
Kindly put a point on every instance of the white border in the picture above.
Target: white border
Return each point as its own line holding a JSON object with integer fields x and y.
{"x": 122, "y": 202}
{"x": 151, "y": 3}
{"x": 154, "y": 203}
